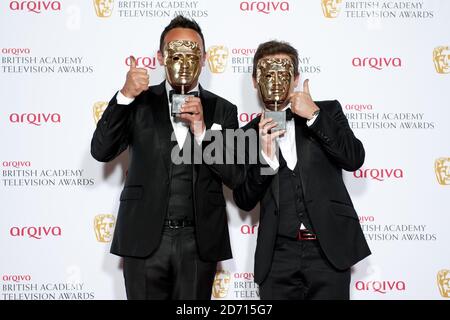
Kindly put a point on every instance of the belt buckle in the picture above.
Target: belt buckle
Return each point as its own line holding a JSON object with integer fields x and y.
{"x": 306, "y": 235}
{"x": 173, "y": 225}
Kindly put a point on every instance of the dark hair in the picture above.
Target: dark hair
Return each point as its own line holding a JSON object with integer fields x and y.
{"x": 181, "y": 22}
{"x": 275, "y": 47}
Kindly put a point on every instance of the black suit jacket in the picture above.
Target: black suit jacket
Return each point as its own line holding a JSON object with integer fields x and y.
{"x": 323, "y": 150}
{"x": 145, "y": 128}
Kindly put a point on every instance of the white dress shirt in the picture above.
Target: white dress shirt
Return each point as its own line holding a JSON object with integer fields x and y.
{"x": 180, "y": 127}
{"x": 288, "y": 147}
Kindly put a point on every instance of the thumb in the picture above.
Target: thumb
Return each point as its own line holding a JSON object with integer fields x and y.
{"x": 132, "y": 62}
{"x": 306, "y": 86}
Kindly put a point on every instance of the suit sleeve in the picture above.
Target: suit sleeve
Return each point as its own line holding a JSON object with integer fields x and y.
{"x": 332, "y": 130}
{"x": 231, "y": 174}
{"x": 258, "y": 177}
{"x": 111, "y": 137}
{"x": 251, "y": 191}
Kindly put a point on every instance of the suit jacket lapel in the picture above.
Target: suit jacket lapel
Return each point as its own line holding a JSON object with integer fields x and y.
{"x": 160, "y": 109}
{"x": 302, "y": 141}
{"x": 209, "y": 107}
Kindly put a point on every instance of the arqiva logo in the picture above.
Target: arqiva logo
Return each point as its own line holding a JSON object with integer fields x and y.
{"x": 377, "y": 63}
{"x": 265, "y": 7}
{"x": 35, "y": 232}
{"x": 36, "y": 119}
{"x": 148, "y": 62}
{"x": 35, "y": 6}
{"x": 380, "y": 286}
{"x": 379, "y": 174}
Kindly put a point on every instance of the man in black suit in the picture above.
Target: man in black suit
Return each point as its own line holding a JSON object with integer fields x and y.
{"x": 172, "y": 226}
{"x": 309, "y": 233}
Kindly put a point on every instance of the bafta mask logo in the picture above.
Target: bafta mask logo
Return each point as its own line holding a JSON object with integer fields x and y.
{"x": 98, "y": 109}
{"x": 104, "y": 227}
{"x": 221, "y": 284}
{"x": 442, "y": 169}
{"x": 331, "y": 8}
{"x": 182, "y": 61}
{"x": 443, "y": 282}
{"x": 275, "y": 77}
{"x": 217, "y": 58}
{"x": 104, "y": 8}
{"x": 441, "y": 59}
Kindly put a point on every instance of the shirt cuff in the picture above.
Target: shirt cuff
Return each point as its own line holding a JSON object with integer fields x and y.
{"x": 310, "y": 122}
{"x": 121, "y": 99}
{"x": 200, "y": 138}
{"x": 274, "y": 164}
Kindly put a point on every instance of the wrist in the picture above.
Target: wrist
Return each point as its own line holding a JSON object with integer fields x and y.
{"x": 313, "y": 113}
{"x": 199, "y": 128}
{"x": 126, "y": 93}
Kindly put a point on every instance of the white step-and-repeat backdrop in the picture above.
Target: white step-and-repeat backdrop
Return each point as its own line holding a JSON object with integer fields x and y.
{"x": 387, "y": 62}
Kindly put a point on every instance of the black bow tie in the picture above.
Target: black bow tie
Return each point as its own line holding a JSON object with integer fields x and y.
{"x": 289, "y": 114}
{"x": 172, "y": 92}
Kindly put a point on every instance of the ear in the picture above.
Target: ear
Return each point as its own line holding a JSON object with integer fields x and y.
{"x": 204, "y": 58}
{"x": 255, "y": 84}
{"x": 296, "y": 80}
{"x": 160, "y": 58}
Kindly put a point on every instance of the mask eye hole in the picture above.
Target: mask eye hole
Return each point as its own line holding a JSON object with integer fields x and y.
{"x": 193, "y": 57}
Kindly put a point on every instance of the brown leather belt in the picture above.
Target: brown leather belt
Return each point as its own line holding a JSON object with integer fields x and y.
{"x": 305, "y": 234}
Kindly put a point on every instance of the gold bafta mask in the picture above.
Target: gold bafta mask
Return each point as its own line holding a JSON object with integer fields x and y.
{"x": 331, "y": 8}
{"x": 104, "y": 227}
{"x": 441, "y": 59}
{"x": 443, "y": 281}
{"x": 182, "y": 61}
{"x": 104, "y": 8}
{"x": 275, "y": 77}
{"x": 217, "y": 58}
{"x": 98, "y": 109}
{"x": 442, "y": 169}
{"x": 221, "y": 284}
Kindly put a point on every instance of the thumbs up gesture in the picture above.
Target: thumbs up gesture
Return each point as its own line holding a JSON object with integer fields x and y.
{"x": 302, "y": 103}
{"x": 137, "y": 80}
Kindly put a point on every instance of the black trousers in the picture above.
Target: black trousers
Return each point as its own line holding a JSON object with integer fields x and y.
{"x": 173, "y": 271}
{"x": 300, "y": 271}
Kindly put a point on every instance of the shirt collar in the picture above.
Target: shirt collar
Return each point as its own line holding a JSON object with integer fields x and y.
{"x": 169, "y": 87}
{"x": 285, "y": 108}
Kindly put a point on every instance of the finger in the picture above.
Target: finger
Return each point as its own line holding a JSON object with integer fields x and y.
{"x": 306, "y": 86}
{"x": 193, "y": 98}
{"x": 270, "y": 126}
{"x": 142, "y": 84}
{"x": 140, "y": 78}
{"x": 267, "y": 129}
{"x": 190, "y": 109}
{"x": 132, "y": 62}
{"x": 276, "y": 134}
{"x": 264, "y": 122}
{"x": 192, "y": 104}
{"x": 140, "y": 71}
{"x": 187, "y": 117}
